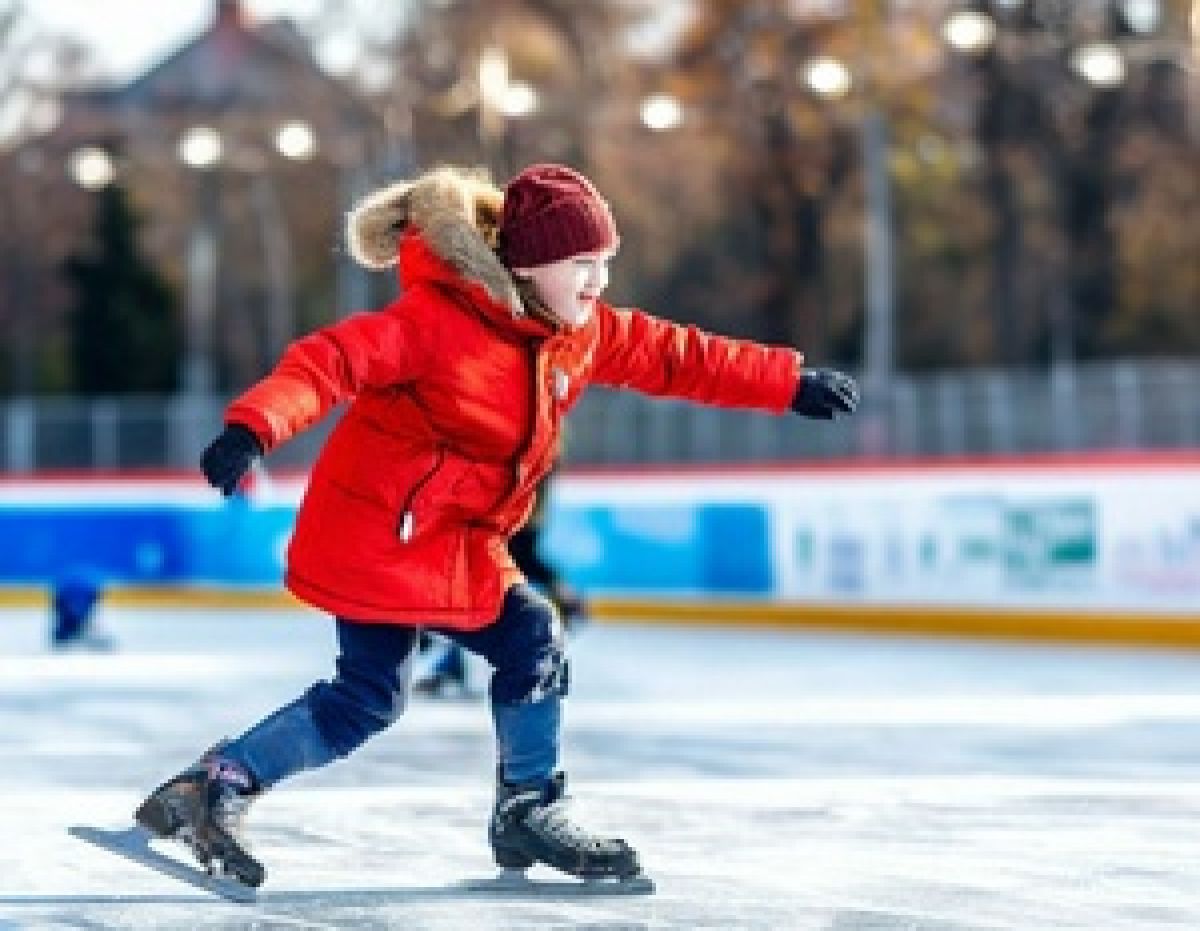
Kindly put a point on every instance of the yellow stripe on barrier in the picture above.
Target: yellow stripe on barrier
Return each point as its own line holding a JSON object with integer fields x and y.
{"x": 217, "y": 599}
{"x": 214, "y": 599}
{"x": 1064, "y": 626}
{"x": 22, "y": 598}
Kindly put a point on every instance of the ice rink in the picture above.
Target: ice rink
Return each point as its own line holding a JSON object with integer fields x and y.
{"x": 769, "y": 779}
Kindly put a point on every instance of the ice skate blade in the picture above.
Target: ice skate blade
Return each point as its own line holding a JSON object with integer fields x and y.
{"x": 134, "y": 845}
{"x": 516, "y": 882}
{"x": 641, "y": 884}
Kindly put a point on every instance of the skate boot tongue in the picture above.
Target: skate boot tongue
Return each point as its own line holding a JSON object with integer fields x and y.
{"x": 230, "y": 791}
{"x": 231, "y": 774}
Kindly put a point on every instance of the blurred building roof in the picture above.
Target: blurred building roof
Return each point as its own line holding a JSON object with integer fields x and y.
{"x": 232, "y": 63}
{"x": 236, "y": 65}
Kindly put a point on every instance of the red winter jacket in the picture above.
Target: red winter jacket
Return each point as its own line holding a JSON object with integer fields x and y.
{"x": 456, "y": 403}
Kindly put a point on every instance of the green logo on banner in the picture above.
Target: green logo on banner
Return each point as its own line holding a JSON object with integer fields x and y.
{"x": 1050, "y": 541}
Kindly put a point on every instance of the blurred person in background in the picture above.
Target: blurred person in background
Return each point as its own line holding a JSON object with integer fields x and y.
{"x": 448, "y": 675}
{"x": 457, "y": 393}
{"x": 75, "y": 596}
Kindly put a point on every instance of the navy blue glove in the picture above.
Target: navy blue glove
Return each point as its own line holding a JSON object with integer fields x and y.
{"x": 229, "y": 457}
{"x": 823, "y": 393}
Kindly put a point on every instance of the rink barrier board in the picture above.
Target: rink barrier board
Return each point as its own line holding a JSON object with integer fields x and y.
{"x": 1176, "y": 631}
{"x": 1083, "y": 547}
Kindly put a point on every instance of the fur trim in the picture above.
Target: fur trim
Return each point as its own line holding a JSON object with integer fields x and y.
{"x": 458, "y": 214}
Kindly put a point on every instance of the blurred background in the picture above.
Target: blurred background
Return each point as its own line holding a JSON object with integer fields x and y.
{"x": 983, "y": 209}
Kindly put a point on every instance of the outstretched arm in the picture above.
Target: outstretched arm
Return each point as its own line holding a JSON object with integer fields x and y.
{"x": 665, "y": 359}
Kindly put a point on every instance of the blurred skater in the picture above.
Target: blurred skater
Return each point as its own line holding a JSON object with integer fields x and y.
{"x": 75, "y": 595}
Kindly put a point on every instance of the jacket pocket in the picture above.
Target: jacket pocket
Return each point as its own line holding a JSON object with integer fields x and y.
{"x": 406, "y": 523}
{"x": 374, "y": 466}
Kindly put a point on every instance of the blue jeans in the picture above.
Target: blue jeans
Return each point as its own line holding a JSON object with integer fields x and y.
{"x": 524, "y": 646}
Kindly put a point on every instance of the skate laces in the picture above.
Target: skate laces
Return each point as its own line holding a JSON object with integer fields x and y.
{"x": 229, "y": 809}
{"x": 554, "y": 821}
{"x": 550, "y": 818}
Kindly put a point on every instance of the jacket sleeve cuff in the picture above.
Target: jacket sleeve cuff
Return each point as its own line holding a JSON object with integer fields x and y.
{"x": 789, "y": 385}
{"x": 253, "y": 421}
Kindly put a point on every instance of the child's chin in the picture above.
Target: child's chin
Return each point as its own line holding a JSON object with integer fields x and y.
{"x": 576, "y": 317}
{"x": 581, "y": 316}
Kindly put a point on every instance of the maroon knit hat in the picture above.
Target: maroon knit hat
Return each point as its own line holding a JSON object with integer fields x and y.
{"x": 552, "y": 212}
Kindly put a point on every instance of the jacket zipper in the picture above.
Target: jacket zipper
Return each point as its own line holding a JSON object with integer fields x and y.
{"x": 407, "y": 524}
{"x": 527, "y": 444}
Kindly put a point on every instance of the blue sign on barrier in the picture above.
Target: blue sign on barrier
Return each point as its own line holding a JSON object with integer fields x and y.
{"x": 145, "y": 543}
{"x": 722, "y": 548}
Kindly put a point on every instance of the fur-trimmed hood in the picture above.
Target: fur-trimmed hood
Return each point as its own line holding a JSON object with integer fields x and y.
{"x": 457, "y": 214}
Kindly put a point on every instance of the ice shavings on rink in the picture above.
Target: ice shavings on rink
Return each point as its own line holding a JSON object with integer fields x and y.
{"x": 770, "y": 780}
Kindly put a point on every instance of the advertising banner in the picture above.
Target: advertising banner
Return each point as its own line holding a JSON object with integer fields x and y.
{"x": 1044, "y": 536}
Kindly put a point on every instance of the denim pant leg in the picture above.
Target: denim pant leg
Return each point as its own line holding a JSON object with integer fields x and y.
{"x": 332, "y": 719}
{"x": 526, "y": 649}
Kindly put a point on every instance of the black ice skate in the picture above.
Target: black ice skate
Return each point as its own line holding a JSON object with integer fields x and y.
{"x": 205, "y": 806}
{"x": 531, "y": 824}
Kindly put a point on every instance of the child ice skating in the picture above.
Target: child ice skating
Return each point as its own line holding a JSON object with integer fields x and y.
{"x": 456, "y": 394}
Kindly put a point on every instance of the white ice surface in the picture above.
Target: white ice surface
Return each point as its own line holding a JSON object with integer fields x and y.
{"x": 770, "y": 780}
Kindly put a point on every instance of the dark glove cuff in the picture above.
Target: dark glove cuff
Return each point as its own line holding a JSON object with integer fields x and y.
{"x": 798, "y": 398}
{"x": 245, "y": 437}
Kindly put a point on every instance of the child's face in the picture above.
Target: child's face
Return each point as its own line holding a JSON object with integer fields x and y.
{"x": 570, "y": 287}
